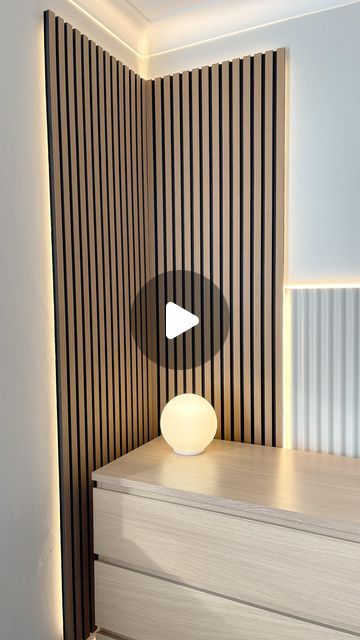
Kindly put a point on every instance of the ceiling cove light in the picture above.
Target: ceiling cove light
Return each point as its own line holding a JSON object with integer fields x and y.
{"x": 188, "y": 424}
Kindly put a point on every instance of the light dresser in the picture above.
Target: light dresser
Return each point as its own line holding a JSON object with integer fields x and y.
{"x": 242, "y": 542}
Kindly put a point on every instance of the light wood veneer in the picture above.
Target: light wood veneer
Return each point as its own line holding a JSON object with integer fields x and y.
{"x": 240, "y": 542}
{"x": 311, "y": 576}
{"x": 142, "y": 607}
{"x": 304, "y": 490}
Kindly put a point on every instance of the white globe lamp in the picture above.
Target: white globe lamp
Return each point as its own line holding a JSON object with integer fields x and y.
{"x": 188, "y": 424}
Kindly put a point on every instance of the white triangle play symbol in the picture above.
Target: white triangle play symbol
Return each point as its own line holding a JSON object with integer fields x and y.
{"x": 178, "y": 320}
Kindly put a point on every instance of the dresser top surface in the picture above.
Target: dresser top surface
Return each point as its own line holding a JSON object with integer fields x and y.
{"x": 232, "y": 473}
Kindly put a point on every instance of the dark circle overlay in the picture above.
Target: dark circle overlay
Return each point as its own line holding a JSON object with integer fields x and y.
{"x": 196, "y": 294}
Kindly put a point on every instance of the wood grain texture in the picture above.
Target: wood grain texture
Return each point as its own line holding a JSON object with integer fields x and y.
{"x": 221, "y": 131}
{"x": 103, "y": 245}
{"x": 226, "y": 240}
{"x": 249, "y": 561}
{"x": 125, "y": 297}
{"x": 205, "y": 160}
{"x": 150, "y": 228}
{"x": 168, "y": 168}
{"x": 310, "y": 491}
{"x": 87, "y": 449}
{"x": 143, "y": 607}
{"x": 56, "y": 199}
{"x": 186, "y": 217}
{"x": 98, "y": 260}
{"x": 106, "y": 635}
{"x": 178, "y": 207}
{"x": 235, "y": 256}
{"x": 257, "y": 244}
{"x": 197, "y": 227}
{"x": 278, "y": 236}
{"x": 71, "y": 301}
{"x": 119, "y": 352}
{"x": 247, "y": 427}
{"x": 215, "y": 233}
{"x": 160, "y": 224}
{"x": 267, "y": 275}
{"x": 146, "y": 176}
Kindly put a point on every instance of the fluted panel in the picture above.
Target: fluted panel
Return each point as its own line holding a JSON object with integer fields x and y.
{"x": 324, "y": 363}
{"x": 216, "y": 191}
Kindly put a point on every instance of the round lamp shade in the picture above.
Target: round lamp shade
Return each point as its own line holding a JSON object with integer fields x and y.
{"x": 188, "y": 423}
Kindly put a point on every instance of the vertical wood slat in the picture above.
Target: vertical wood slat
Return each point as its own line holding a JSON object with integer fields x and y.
{"x": 136, "y": 258}
{"x": 83, "y": 329}
{"x": 65, "y": 52}
{"x": 107, "y": 426}
{"x": 187, "y": 214}
{"x": 144, "y": 243}
{"x": 168, "y": 212}
{"x": 197, "y": 214}
{"x": 125, "y": 259}
{"x": 98, "y": 317}
{"x": 143, "y": 427}
{"x": 151, "y": 248}
{"x": 215, "y": 230}
{"x": 142, "y": 173}
{"x": 267, "y": 317}
{"x": 56, "y": 200}
{"x": 129, "y": 215}
{"x": 119, "y": 355}
{"x": 279, "y": 166}
{"x": 178, "y": 203}
{"x": 225, "y": 245}
{"x": 205, "y": 198}
{"x": 236, "y": 250}
{"x": 246, "y": 248}
{"x": 90, "y": 308}
{"x": 256, "y": 246}
{"x": 161, "y": 227}
{"x": 96, "y": 67}
{"x": 112, "y": 245}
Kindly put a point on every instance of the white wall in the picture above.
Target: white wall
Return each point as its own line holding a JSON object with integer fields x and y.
{"x": 323, "y": 141}
{"x": 323, "y": 232}
{"x": 30, "y": 587}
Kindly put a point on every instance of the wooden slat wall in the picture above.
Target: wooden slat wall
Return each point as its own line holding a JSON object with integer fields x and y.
{"x": 99, "y": 185}
{"x": 219, "y": 132}
{"x": 183, "y": 172}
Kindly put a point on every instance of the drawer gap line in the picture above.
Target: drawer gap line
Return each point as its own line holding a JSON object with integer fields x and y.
{"x": 113, "y": 563}
{"x": 264, "y": 520}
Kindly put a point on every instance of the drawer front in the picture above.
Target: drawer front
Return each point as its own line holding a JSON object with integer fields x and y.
{"x": 142, "y": 607}
{"x": 297, "y": 573}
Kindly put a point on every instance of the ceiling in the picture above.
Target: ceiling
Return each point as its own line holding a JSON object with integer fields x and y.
{"x": 153, "y": 27}
{"x": 153, "y": 10}
{"x": 159, "y": 9}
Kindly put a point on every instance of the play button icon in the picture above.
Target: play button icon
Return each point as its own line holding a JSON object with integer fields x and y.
{"x": 178, "y": 320}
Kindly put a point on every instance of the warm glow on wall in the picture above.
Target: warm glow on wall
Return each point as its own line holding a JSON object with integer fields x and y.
{"x": 332, "y": 285}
